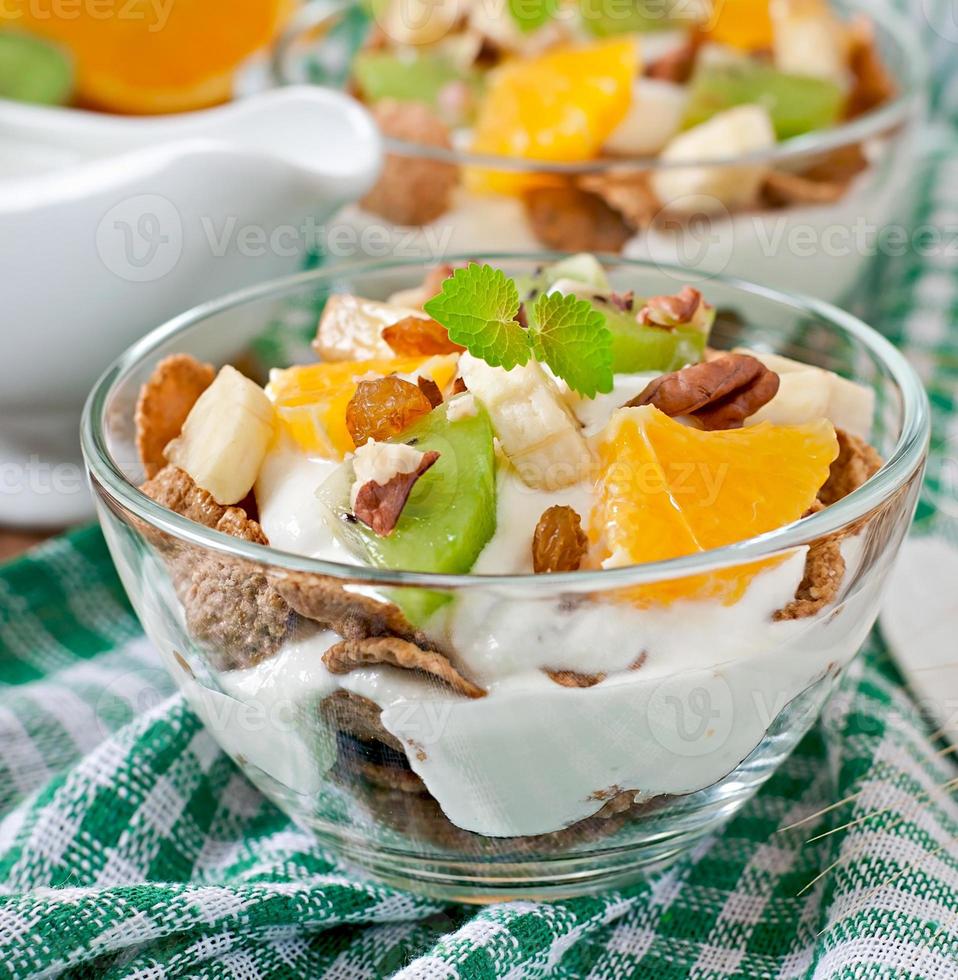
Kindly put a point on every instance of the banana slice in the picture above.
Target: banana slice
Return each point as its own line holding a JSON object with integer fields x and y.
{"x": 809, "y": 40}
{"x": 806, "y": 393}
{"x": 351, "y": 328}
{"x": 225, "y": 437}
{"x": 654, "y": 117}
{"x": 801, "y": 397}
{"x": 535, "y": 428}
{"x": 729, "y": 134}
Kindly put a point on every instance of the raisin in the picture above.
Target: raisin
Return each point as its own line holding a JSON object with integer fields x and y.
{"x": 559, "y": 543}
{"x": 413, "y": 336}
{"x": 382, "y": 408}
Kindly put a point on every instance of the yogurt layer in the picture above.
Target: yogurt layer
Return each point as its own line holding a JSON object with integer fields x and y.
{"x": 532, "y": 757}
{"x": 683, "y": 692}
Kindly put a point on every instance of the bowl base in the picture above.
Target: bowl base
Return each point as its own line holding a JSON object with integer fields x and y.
{"x": 552, "y": 879}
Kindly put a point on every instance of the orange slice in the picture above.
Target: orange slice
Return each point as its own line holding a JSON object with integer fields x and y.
{"x": 147, "y": 56}
{"x": 560, "y": 106}
{"x": 311, "y": 399}
{"x": 744, "y": 24}
{"x": 668, "y": 490}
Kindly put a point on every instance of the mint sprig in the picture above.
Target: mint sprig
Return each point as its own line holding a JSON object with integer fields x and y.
{"x": 478, "y": 305}
{"x": 570, "y": 335}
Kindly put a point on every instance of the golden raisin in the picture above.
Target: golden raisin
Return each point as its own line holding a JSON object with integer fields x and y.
{"x": 383, "y": 407}
{"x": 559, "y": 543}
{"x": 415, "y": 336}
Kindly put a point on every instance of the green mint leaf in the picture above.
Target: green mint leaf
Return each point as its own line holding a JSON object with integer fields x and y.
{"x": 478, "y": 305}
{"x": 570, "y": 335}
{"x": 529, "y": 15}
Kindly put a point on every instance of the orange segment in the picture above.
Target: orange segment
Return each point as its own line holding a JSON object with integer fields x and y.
{"x": 311, "y": 399}
{"x": 744, "y": 24}
{"x": 147, "y": 56}
{"x": 560, "y": 107}
{"x": 668, "y": 490}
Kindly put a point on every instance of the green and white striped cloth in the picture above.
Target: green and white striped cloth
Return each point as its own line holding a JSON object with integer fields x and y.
{"x": 131, "y": 847}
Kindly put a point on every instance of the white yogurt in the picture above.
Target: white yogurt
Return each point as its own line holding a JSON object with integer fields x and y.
{"x": 532, "y": 756}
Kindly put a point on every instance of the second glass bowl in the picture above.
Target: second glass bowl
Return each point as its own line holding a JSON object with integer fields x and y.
{"x": 821, "y": 248}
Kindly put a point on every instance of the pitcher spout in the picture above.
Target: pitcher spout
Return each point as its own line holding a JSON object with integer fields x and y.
{"x": 328, "y": 136}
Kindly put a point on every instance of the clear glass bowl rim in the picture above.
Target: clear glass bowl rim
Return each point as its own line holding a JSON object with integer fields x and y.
{"x": 896, "y": 29}
{"x": 904, "y": 460}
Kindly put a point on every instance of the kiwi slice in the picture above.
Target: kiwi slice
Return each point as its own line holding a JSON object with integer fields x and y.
{"x": 33, "y": 70}
{"x": 797, "y": 103}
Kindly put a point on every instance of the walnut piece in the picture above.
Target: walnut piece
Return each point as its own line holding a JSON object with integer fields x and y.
{"x": 379, "y": 505}
{"x": 676, "y": 66}
{"x": 347, "y": 655}
{"x": 782, "y": 189}
{"x": 668, "y": 312}
{"x": 574, "y": 220}
{"x": 628, "y": 193}
{"x": 719, "y": 393}
{"x": 872, "y": 84}
{"x": 164, "y": 402}
{"x": 430, "y": 389}
{"x": 412, "y": 190}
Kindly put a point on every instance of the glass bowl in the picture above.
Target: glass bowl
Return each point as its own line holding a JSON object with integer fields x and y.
{"x": 820, "y": 247}
{"x": 538, "y": 788}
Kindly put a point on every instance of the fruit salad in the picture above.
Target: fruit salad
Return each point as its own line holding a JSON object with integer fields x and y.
{"x": 549, "y": 428}
{"x": 656, "y": 83}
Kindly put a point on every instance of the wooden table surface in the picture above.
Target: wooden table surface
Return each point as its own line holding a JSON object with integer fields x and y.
{"x": 14, "y": 542}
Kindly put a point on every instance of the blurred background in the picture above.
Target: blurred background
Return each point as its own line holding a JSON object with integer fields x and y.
{"x": 157, "y": 153}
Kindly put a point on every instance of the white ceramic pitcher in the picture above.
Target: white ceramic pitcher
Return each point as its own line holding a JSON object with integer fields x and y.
{"x": 110, "y": 225}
